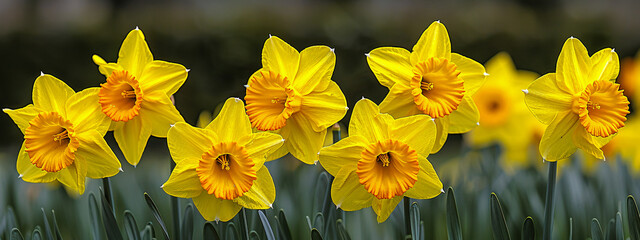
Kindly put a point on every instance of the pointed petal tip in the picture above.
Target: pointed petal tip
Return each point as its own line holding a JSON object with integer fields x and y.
{"x": 188, "y": 69}
{"x": 237, "y": 99}
{"x": 162, "y": 186}
{"x": 120, "y": 169}
{"x": 477, "y": 123}
{"x": 172, "y": 125}
{"x": 346, "y": 108}
{"x": 442, "y": 190}
{"x": 613, "y": 50}
{"x": 41, "y": 73}
{"x": 367, "y": 55}
{"x": 217, "y": 219}
{"x": 333, "y": 50}
{"x": 362, "y": 98}
{"x": 270, "y": 206}
{"x": 137, "y": 28}
{"x": 20, "y": 176}
{"x": 270, "y": 35}
{"x": 571, "y": 37}
{"x": 246, "y": 85}
{"x": 338, "y": 206}
{"x": 525, "y": 91}
{"x": 486, "y": 74}
{"x": 438, "y": 21}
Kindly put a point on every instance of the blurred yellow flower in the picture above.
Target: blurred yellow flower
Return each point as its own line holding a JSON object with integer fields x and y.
{"x": 626, "y": 144}
{"x": 222, "y": 166}
{"x": 581, "y": 103}
{"x": 382, "y": 160}
{"x": 63, "y": 133}
{"x": 630, "y": 77}
{"x": 137, "y": 94}
{"x": 504, "y": 118}
{"x": 430, "y": 80}
{"x": 293, "y": 95}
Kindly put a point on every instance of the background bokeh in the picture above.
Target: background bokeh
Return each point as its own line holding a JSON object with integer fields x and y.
{"x": 221, "y": 42}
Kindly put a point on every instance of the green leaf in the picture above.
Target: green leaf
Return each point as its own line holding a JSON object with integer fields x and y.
{"x": 187, "y": 223}
{"x": 498, "y": 224}
{"x": 619, "y": 227}
{"x": 16, "y": 234}
{"x": 209, "y": 232}
{"x": 315, "y": 234}
{"x": 147, "y": 233}
{"x": 36, "y": 235}
{"x": 610, "y": 233}
{"x": 47, "y": 227}
{"x": 309, "y": 223}
{"x": 415, "y": 221}
{"x": 110, "y": 224}
{"x": 130, "y": 226}
{"x": 153, "y": 229}
{"x": 156, "y": 214}
{"x": 94, "y": 217}
{"x": 266, "y": 225}
{"x": 633, "y": 217}
{"x": 253, "y": 235}
{"x": 8, "y": 222}
{"x": 56, "y": 229}
{"x": 570, "y": 228}
{"x": 596, "y": 230}
{"x": 231, "y": 233}
{"x": 453, "y": 222}
{"x": 342, "y": 233}
{"x": 318, "y": 221}
{"x": 283, "y": 227}
{"x": 528, "y": 230}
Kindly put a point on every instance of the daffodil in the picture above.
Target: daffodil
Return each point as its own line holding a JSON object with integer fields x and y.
{"x": 137, "y": 94}
{"x": 382, "y": 160}
{"x": 221, "y": 167}
{"x": 504, "y": 118}
{"x": 630, "y": 77}
{"x": 581, "y": 103}
{"x": 430, "y": 80}
{"x": 63, "y": 136}
{"x": 626, "y": 143}
{"x": 293, "y": 95}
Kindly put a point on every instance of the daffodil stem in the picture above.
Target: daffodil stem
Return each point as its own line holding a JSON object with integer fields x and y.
{"x": 108, "y": 194}
{"x": 407, "y": 221}
{"x": 549, "y": 204}
{"x": 175, "y": 209}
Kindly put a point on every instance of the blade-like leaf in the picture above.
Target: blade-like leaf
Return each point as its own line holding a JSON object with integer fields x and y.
{"x": 453, "y": 222}
{"x": 315, "y": 234}
{"x": 284, "y": 233}
{"x": 209, "y": 232}
{"x": 16, "y": 234}
{"x": 610, "y": 233}
{"x": 187, "y": 223}
{"x": 528, "y": 230}
{"x": 110, "y": 224}
{"x": 56, "y": 229}
{"x": 596, "y": 230}
{"x": 633, "y": 217}
{"x": 130, "y": 226}
{"x": 415, "y": 221}
{"x": 156, "y": 214}
{"x": 253, "y": 235}
{"x": 231, "y": 233}
{"x": 36, "y": 235}
{"x": 47, "y": 227}
{"x": 94, "y": 217}
{"x": 267, "y": 226}
{"x": 619, "y": 229}
{"x": 498, "y": 224}
{"x": 147, "y": 233}
{"x": 342, "y": 233}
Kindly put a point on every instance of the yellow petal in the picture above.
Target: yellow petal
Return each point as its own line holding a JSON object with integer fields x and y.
{"x": 365, "y": 122}
{"x": 416, "y": 131}
{"x": 74, "y": 176}
{"x": 29, "y": 172}
{"x": 545, "y": 99}
{"x": 428, "y": 184}
{"x": 390, "y": 64}
{"x": 132, "y": 137}
{"x": 278, "y": 153}
{"x": 105, "y": 68}
{"x": 302, "y": 141}
{"x": 471, "y": 72}
{"x": 232, "y": 122}
{"x": 573, "y": 66}
{"x": 260, "y": 145}
{"x": 183, "y": 182}
{"x": 86, "y": 113}
{"x": 465, "y": 118}
{"x": 261, "y": 194}
{"x": 100, "y": 159}
{"x": 343, "y": 154}
{"x": 134, "y": 53}
{"x": 557, "y": 141}
{"x": 315, "y": 70}
{"x": 324, "y": 108}
{"x": 583, "y": 140}
{"x": 22, "y": 116}
{"x": 280, "y": 57}
{"x": 442, "y": 132}
{"x": 606, "y": 66}
{"x": 434, "y": 42}
{"x": 50, "y": 94}
{"x": 399, "y": 102}
{"x": 384, "y": 207}
{"x": 188, "y": 142}
{"x": 162, "y": 76}
{"x": 215, "y": 209}
{"x": 347, "y": 193}
{"x": 159, "y": 116}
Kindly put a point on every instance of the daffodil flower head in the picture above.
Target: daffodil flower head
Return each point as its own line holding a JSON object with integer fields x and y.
{"x": 136, "y": 95}
{"x": 581, "y": 103}
{"x": 63, "y": 136}
{"x": 293, "y": 95}
{"x": 430, "y": 80}
{"x": 221, "y": 167}
{"x": 382, "y": 160}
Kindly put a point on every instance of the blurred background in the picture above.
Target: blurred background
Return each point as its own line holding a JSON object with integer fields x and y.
{"x": 221, "y": 42}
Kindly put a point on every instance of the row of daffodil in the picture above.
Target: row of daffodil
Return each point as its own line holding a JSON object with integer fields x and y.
{"x": 291, "y": 101}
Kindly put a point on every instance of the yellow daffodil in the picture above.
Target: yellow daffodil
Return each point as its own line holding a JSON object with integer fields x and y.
{"x": 430, "y": 80}
{"x": 626, "y": 144}
{"x": 63, "y": 136}
{"x": 504, "y": 118}
{"x": 137, "y": 94}
{"x": 581, "y": 103}
{"x": 630, "y": 77}
{"x": 382, "y": 160}
{"x": 221, "y": 167}
{"x": 293, "y": 95}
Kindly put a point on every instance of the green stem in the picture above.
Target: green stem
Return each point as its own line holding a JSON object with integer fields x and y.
{"x": 550, "y": 202}
{"x": 175, "y": 209}
{"x": 407, "y": 220}
{"x": 108, "y": 193}
{"x": 243, "y": 224}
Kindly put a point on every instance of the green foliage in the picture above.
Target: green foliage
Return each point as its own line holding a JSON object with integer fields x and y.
{"x": 453, "y": 223}
{"x": 187, "y": 223}
{"x": 130, "y": 226}
{"x": 209, "y": 232}
{"x": 596, "y": 230}
{"x": 528, "y": 229}
{"x": 633, "y": 217}
{"x": 415, "y": 221}
{"x": 156, "y": 214}
{"x": 498, "y": 223}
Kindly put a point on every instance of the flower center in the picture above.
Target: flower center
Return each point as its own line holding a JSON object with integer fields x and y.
{"x": 602, "y": 108}
{"x": 494, "y": 105}
{"x": 271, "y": 101}
{"x": 436, "y": 88}
{"x": 50, "y": 142}
{"x": 120, "y": 96}
{"x": 388, "y": 168}
{"x": 226, "y": 170}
